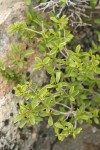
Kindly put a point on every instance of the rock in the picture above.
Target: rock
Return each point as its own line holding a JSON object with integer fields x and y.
{"x": 86, "y": 140}
{"x": 11, "y": 137}
{"x": 10, "y": 12}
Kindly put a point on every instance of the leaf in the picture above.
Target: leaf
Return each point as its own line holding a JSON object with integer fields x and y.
{"x": 34, "y": 103}
{"x": 78, "y": 130}
{"x": 37, "y": 66}
{"x": 15, "y": 48}
{"x": 50, "y": 70}
{"x": 29, "y": 16}
{"x": 27, "y": 53}
{"x": 96, "y": 112}
{"x": 20, "y": 64}
{"x": 48, "y": 86}
{"x": 23, "y": 122}
{"x": 72, "y": 98}
{"x": 96, "y": 120}
{"x": 97, "y": 21}
{"x": 57, "y": 113}
{"x": 28, "y": 2}
{"x": 75, "y": 93}
{"x": 50, "y": 121}
{"x": 58, "y": 125}
{"x": 46, "y": 60}
{"x": 43, "y": 92}
{"x": 63, "y": 1}
{"x": 54, "y": 19}
{"x": 93, "y": 3}
{"x": 78, "y": 48}
{"x": 32, "y": 119}
{"x": 52, "y": 80}
{"x": 58, "y": 76}
{"x": 52, "y": 31}
{"x": 39, "y": 60}
{"x": 85, "y": 117}
{"x": 74, "y": 135}
{"x": 38, "y": 119}
{"x": 44, "y": 114}
{"x": 71, "y": 90}
{"x": 22, "y": 106}
{"x": 69, "y": 125}
{"x": 72, "y": 64}
{"x": 98, "y": 34}
{"x": 62, "y": 84}
{"x": 18, "y": 118}
{"x": 53, "y": 52}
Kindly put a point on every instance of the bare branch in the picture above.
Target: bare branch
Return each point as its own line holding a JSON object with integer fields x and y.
{"x": 63, "y": 105}
{"x": 74, "y": 10}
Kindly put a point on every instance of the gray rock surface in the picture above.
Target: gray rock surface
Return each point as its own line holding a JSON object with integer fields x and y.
{"x": 11, "y": 137}
{"x": 10, "y": 12}
{"x": 88, "y": 139}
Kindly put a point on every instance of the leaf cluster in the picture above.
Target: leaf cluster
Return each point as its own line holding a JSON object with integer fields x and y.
{"x": 72, "y": 95}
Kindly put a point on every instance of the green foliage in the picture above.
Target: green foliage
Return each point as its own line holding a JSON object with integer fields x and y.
{"x": 97, "y": 21}
{"x": 93, "y": 3}
{"x": 41, "y": 1}
{"x": 72, "y": 95}
{"x": 12, "y": 69}
{"x": 28, "y": 2}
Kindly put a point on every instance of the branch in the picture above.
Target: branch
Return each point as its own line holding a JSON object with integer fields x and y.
{"x": 43, "y": 6}
{"x": 74, "y": 10}
{"x": 63, "y": 105}
{"x": 64, "y": 113}
{"x": 33, "y": 31}
{"x": 93, "y": 92}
